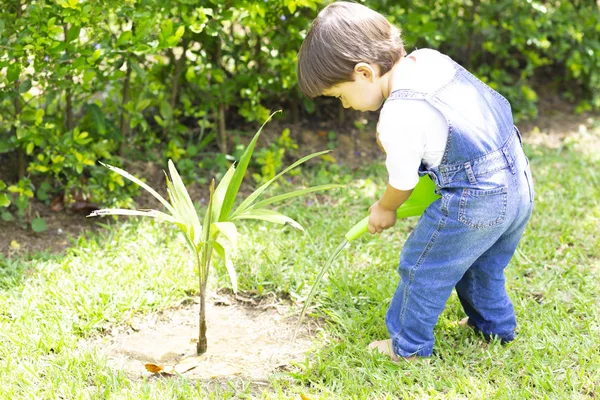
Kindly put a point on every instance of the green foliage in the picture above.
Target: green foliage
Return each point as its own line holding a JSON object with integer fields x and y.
{"x": 110, "y": 81}
{"x": 510, "y": 44}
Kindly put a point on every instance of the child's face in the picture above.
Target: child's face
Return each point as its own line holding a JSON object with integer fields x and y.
{"x": 364, "y": 93}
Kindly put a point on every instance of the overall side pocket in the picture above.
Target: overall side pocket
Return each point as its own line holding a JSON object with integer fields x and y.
{"x": 529, "y": 179}
{"x": 481, "y": 209}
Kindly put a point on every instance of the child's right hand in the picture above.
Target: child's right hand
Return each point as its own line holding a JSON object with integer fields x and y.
{"x": 380, "y": 218}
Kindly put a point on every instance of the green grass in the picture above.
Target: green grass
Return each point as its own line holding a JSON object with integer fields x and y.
{"x": 50, "y": 304}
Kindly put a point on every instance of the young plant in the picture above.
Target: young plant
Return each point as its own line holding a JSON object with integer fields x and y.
{"x": 219, "y": 218}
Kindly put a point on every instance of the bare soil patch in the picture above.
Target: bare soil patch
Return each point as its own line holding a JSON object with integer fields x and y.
{"x": 248, "y": 342}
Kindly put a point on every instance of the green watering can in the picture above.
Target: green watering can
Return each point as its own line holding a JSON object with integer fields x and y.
{"x": 421, "y": 197}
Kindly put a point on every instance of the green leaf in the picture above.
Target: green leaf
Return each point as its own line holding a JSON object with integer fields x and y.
{"x": 205, "y": 263}
{"x": 135, "y": 180}
{"x": 7, "y": 216}
{"x": 159, "y": 121}
{"x": 38, "y": 225}
{"x": 73, "y": 33}
{"x": 141, "y": 213}
{"x": 4, "y": 200}
{"x": 184, "y": 204}
{"x": 138, "y": 70}
{"x": 248, "y": 201}
{"x": 165, "y": 110}
{"x": 39, "y": 116}
{"x": 13, "y": 72}
{"x": 220, "y": 193}
{"x": 268, "y": 215}
{"x": 88, "y": 75}
{"x": 25, "y": 86}
{"x": 295, "y": 193}
{"x": 96, "y": 55}
{"x": 2, "y": 185}
{"x": 142, "y": 104}
{"x": 228, "y": 264}
{"x": 5, "y": 146}
{"x": 228, "y": 230}
{"x": 124, "y": 38}
{"x": 238, "y": 176}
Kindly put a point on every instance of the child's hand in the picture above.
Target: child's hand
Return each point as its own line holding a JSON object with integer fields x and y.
{"x": 380, "y": 218}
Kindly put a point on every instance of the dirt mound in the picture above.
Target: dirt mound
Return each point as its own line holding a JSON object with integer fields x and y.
{"x": 250, "y": 342}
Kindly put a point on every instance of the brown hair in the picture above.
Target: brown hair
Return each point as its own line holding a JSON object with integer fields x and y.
{"x": 343, "y": 35}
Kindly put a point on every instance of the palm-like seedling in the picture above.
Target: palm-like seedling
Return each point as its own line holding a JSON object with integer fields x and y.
{"x": 219, "y": 218}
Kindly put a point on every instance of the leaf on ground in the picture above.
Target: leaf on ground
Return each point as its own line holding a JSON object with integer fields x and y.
{"x": 303, "y": 397}
{"x": 181, "y": 367}
{"x": 187, "y": 364}
{"x": 155, "y": 369}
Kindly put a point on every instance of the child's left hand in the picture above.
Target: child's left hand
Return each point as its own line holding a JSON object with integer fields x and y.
{"x": 380, "y": 218}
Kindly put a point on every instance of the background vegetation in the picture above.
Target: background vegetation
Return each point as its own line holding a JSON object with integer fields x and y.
{"x": 87, "y": 81}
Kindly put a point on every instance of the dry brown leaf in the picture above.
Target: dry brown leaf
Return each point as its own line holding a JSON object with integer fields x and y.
{"x": 187, "y": 364}
{"x": 155, "y": 369}
{"x": 181, "y": 367}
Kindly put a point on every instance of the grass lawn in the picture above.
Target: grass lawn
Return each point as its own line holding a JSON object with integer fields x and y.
{"x": 51, "y": 303}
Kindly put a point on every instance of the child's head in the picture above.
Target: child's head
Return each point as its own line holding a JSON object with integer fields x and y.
{"x": 347, "y": 47}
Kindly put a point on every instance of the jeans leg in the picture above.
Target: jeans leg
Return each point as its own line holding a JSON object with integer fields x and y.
{"x": 482, "y": 290}
{"x": 431, "y": 264}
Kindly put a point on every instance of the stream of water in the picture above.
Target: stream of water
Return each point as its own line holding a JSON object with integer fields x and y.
{"x": 315, "y": 285}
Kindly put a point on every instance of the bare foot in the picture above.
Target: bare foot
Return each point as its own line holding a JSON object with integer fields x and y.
{"x": 464, "y": 322}
{"x": 385, "y": 347}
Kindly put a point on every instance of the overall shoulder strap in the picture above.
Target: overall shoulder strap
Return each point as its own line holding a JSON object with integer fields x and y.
{"x": 406, "y": 94}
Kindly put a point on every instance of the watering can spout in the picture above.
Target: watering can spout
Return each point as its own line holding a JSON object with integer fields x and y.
{"x": 421, "y": 197}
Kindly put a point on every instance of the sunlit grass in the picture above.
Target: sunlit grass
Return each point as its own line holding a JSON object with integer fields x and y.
{"x": 50, "y": 304}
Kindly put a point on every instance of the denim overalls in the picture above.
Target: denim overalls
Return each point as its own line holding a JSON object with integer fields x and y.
{"x": 465, "y": 239}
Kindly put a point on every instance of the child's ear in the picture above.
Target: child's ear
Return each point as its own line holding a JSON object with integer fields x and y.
{"x": 364, "y": 71}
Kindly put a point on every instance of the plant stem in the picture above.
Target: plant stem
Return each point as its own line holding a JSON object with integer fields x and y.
{"x": 202, "y": 342}
{"x": 203, "y": 265}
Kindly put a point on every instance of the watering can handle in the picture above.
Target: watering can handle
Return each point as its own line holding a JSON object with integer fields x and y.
{"x": 422, "y": 196}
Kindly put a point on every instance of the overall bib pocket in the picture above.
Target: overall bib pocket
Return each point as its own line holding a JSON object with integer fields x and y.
{"x": 481, "y": 209}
